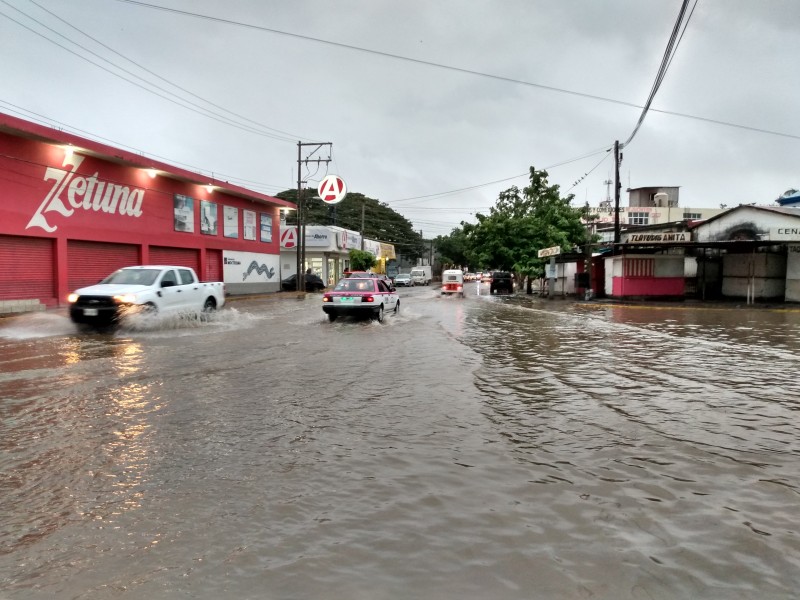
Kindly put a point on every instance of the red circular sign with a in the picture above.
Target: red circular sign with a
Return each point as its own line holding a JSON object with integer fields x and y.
{"x": 332, "y": 189}
{"x": 289, "y": 238}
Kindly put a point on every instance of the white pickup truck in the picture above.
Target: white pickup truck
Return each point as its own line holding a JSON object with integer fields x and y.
{"x": 157, "y": 288}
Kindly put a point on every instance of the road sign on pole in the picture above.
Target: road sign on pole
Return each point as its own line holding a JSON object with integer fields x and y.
{"x": 555, "y": 250}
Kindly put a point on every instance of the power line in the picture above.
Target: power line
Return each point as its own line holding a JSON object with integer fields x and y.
{"x": 154, "y": 74}
{"x": 184, "y": 103}
{"x": 480, "y": 185}
{"x": 25, "y": 113}
{"x": 452, "y": 68}
{"x": 672, "y": 46}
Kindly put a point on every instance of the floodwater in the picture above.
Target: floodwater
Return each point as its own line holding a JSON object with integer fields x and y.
{"x": 476, "y": 448}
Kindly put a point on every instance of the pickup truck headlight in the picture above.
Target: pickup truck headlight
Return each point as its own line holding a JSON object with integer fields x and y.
{"x": 72, "y": 298}
{"x": 125, "y": 299}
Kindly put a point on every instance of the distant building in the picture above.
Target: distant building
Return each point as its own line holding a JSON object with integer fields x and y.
{"x": 653, "y": 205}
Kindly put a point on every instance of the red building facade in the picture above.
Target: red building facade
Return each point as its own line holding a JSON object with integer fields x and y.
{"x": 72, "y": 211}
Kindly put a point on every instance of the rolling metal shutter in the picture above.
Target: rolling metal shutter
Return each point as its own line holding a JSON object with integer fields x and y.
{"x": 26, "y": 268}
{"x": 89, "y": 262}
{"x": 180, "y": 257}
{"x": 213, "y": 266}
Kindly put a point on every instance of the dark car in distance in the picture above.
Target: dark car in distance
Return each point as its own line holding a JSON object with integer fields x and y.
{"x": 501, "y": 283}
{"x": 313, "y": 283}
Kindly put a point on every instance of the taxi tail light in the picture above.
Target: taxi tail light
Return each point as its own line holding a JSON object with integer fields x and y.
{"x": 327, "y": 298}
{"x": 368, "y": 299}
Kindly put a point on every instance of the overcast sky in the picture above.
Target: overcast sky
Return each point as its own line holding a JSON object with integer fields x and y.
{"x": 433, "y": 107}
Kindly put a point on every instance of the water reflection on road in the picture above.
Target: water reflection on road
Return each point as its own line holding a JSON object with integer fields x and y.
{"x": 466, "y": 448}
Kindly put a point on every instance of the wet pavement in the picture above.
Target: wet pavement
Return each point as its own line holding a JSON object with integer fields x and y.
{"x": 485, "y": 447}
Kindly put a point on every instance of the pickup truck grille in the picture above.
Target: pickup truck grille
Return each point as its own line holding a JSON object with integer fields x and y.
{"x": 95, "y": 302}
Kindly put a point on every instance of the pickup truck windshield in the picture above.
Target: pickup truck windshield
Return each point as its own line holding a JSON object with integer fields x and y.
{"x": 133, "y": 277}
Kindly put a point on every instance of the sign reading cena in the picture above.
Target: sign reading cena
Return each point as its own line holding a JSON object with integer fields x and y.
{"x": 791, "y": 234}
{"x": 656, "y": 238}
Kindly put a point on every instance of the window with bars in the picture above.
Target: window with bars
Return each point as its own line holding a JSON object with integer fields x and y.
{"x": 692, "y": 216}
{"x": 638, "y": 218}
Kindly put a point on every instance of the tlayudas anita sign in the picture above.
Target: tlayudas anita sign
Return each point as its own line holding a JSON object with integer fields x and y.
{"x": 656, "y": 238}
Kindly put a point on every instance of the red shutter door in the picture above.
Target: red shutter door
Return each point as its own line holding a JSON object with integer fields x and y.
{"x": 89, "y": 262}
{"x": 26, "y": 268}
{"x": 181, "y": 257}
{"x": 213, "y": 266}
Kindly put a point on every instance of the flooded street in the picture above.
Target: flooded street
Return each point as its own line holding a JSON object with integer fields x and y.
{"x": 478, "y": 448}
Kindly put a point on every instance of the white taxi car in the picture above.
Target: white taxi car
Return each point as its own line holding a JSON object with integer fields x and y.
{"x": 356, "y": 296}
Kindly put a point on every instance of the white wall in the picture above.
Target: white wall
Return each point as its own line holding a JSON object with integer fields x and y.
{"x": 793, "y": 274}
{"x": 762, "y": 273}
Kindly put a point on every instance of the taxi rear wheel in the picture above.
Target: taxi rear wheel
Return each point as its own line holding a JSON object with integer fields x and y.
{"x": 331, "y": 317}
{"x": 397, "y": 307}
{"x": 379, "y": 314}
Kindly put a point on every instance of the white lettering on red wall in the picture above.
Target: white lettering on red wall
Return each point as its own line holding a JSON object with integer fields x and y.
{"x": 71, "y": 191}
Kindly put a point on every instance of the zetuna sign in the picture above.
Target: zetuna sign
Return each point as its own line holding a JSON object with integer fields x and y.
{"x": 332, "y": 189}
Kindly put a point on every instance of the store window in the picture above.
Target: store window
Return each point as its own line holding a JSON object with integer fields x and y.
{"x": 315, "y": 264}
{"x": 693, "y": 216}
{"x": 638, "y": 218}
{"x": 333, "y": 277}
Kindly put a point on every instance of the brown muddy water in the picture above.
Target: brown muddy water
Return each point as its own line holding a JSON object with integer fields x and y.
{"x": 484, "y": 448}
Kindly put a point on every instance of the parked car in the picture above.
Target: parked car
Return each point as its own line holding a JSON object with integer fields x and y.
{"x": 360, "y": 296}
{"x": 486, "y": 277}
{"x": 403, "y": 279}
{"x": 313, "y": 283}
{"x": 501, "y": 282}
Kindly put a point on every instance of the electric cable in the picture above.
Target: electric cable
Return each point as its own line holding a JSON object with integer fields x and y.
{"x": 154, "y": 74}
{"x": 175, "y": 99}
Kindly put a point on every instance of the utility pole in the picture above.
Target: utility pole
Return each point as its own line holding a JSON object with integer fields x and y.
{"x": 363, "y": 206}
{"x": 617, "y": 186}
{"x": 301, "y": 217}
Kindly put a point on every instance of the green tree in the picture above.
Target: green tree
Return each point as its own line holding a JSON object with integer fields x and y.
{"x": 380, "y": 222}
{"x": 453, "y": 248}
{"x": 361, "y": 260}
{"x": 521, "y": 223}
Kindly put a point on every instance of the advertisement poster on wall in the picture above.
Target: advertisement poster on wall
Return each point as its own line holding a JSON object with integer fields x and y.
{"x": 208, "y": 217}
{"x": 249, "y": 267}
{"x": 249, "y": 218}
{"x": 183, "y": 213}
{"x": 230, "y": 225}
{"x": 266, "y": 227}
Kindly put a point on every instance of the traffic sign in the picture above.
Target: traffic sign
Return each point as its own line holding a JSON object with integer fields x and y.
{"x": 550, "y": 251}
{"x": 332, "y": 189}
{"x": 289, "y": 237}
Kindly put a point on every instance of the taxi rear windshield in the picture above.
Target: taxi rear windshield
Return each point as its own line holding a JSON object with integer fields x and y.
{"x": 355, "y": 285}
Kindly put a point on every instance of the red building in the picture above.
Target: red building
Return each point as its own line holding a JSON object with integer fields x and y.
{"x": 73, "y": 210}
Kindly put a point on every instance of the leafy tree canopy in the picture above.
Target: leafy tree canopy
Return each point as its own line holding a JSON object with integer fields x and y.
{"x": 453, "y": 249}
{"x": 360, "y": 260}
{"x": 380, "y": 222}
{"x": 521, "y": 223}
